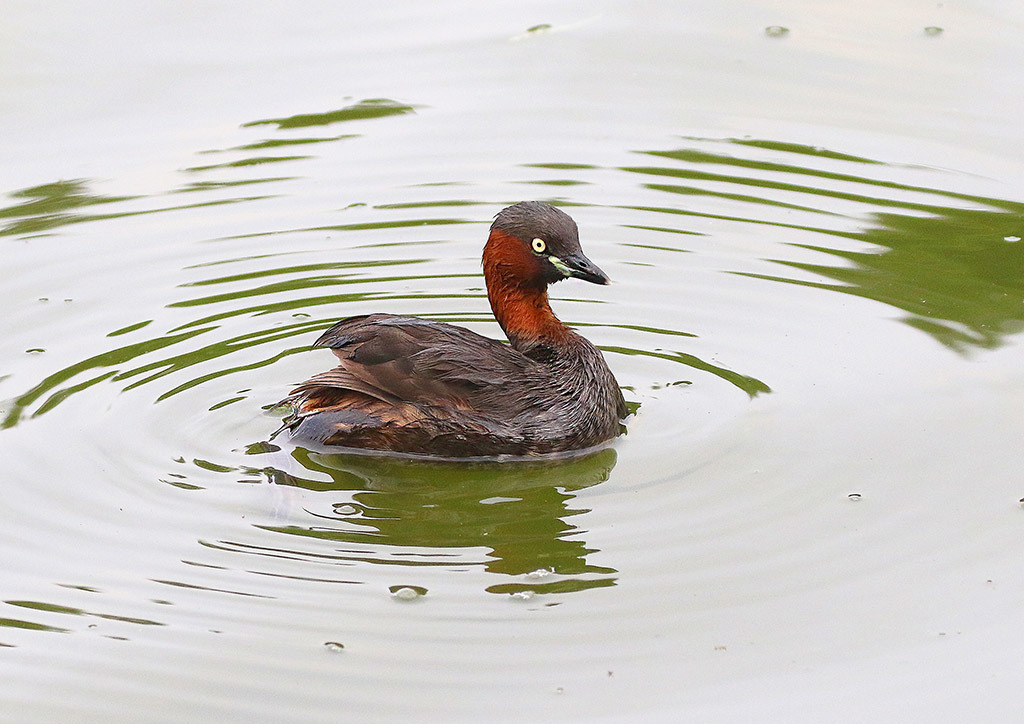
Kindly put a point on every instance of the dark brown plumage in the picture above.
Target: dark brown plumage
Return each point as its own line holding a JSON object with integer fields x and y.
{"x": 412, "y": 385}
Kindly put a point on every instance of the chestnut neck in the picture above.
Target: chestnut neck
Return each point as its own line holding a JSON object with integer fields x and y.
{"x": 518, "y": 295}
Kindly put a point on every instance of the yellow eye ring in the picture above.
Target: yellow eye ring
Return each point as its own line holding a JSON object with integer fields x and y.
{"x": 538, "y": 245}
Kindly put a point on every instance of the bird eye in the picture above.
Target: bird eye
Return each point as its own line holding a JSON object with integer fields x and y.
{"x": 539, "y": 246}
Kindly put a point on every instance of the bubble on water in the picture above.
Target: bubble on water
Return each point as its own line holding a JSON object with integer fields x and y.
{"x": 35, "y": 350}
{"x": 345, "y": 509}
{"x": 499, "y": 499}
{"x": 407, "y": 593}
{"x": 933, "y": 30}
{"x": 522, "y": 595}
{"x": 1011, "y": 238}
{"x": 854, "y": 496}
{"x": 776, "y": 31}
{"x": 541, "y": 573}
{"x": 334, "y": 646}
{"x": 301, "y": 315}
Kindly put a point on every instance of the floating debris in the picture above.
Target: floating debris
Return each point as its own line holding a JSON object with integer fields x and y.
{"x": 407, "y": 593}
{"x": 541, "y": 573}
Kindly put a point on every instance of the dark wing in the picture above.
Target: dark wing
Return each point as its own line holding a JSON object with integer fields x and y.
{"x": 407, "y": 374}
{"x": 407, "y": 359}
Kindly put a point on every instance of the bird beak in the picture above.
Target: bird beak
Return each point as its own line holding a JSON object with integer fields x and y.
{"x": 579, "y": 266}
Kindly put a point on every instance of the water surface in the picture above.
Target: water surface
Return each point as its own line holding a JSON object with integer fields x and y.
{"x": 815, "y": 235}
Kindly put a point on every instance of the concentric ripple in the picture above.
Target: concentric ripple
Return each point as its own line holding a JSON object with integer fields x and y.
{"x": 723, "y": 251}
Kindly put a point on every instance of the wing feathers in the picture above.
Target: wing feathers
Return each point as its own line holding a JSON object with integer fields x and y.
{"x": 406, "y": 359}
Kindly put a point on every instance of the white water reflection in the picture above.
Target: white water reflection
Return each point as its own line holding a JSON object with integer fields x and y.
{"x": 816, "y": 299}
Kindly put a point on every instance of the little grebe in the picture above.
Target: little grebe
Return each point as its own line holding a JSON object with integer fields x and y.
{"x": 411, "y": 385}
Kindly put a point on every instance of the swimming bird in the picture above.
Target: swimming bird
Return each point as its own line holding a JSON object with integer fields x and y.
{"x": 412, "y": 385}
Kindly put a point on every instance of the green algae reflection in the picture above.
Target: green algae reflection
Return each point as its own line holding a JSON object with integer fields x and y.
{"x": 522, "y": 514}
{"x": 363, "y": 110}
{"x": 952, "y": 262}
{"x": 958, "y": 274}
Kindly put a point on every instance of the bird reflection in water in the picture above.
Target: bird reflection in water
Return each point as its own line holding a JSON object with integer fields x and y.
{"x": 398, "y": 511}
